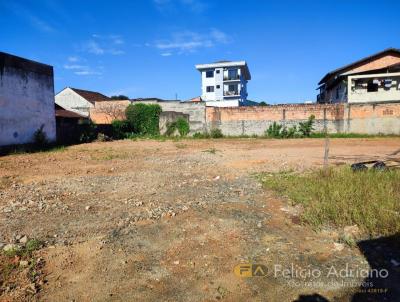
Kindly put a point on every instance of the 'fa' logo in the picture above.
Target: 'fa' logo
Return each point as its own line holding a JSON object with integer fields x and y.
{"x": 246, "y": 270}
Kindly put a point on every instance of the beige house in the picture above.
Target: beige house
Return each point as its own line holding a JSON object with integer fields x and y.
{"x": 78, "y": 100}
{"x": 373, "y": 79}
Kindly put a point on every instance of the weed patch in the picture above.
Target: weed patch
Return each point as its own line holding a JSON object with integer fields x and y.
{"x": 369, "y": 199}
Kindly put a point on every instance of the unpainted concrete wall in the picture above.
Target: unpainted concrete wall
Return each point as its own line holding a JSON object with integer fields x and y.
{"x": 26, "y": 100}
{"x": 167, "y": 117}
{"x": 195, "y": 111}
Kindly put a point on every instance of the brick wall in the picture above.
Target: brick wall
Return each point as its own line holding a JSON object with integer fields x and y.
{"x": 357, "y": 118}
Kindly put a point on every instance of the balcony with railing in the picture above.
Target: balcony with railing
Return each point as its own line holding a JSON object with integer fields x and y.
{"x": 232, "y": 93}
{"x": 232, "y": 77}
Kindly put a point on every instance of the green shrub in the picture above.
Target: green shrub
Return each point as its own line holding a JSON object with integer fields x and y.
{"x": 40, "y": 138}
{"x": 305, "y": 128}
{"x": 216, "y": 133}
{"x": 200, "y": 135}
{"x": 120, "y": 129}
{"x": 143, "y": 118}
{"x": 88, "y": 132}
{"x": 274, "y": 130}
{"x": 180, "y": 124}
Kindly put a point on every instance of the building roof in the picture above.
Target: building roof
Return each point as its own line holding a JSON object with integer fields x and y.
{"x": 152, "y": 100}
{"x": 358, "y": 63}
{"x": 196, "y": 99}
{"x": 62, "y": 112}
{"x": 91, "y": 96}
{"x": 11, "y": 61}
{"x": 227, "y": 64}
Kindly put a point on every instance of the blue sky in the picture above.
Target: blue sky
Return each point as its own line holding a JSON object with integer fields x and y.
{"x": 149, "y": 48}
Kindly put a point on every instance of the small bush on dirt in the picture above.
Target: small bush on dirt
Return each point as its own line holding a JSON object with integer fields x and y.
{"x": 305, "y": 128}
{"x": 274, "y": 130}
{"x": 369, "y": 199}
{"x": 143, "y": 118}
{"x": 216, "y": 133}
{"x": 180, "y": 124}
{"x": 88, "y": 133}
{"x": 200, "y": 135}
{"x": 120, "y": 129}
{"x": 40, "y": 138}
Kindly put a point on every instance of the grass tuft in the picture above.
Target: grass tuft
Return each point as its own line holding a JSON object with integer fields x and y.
{"x": 341, "y": 197}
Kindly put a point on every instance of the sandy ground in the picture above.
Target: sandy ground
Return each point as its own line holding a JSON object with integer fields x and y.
{"x": 169, "y": 221}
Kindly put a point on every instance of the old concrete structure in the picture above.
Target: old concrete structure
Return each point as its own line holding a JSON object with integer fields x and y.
{"x": 106, "y": 112}
{"x": 79, "y": 100}
{"x": 372, "y": 79}
{"x": 26, "y": 100}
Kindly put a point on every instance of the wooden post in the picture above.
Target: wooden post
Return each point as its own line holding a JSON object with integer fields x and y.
{"x": 326, "y": 153}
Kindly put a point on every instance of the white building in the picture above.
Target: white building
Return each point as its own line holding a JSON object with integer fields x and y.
{"x": 26, "y": 100}
{"x": 78, "y": 100}
{"x": 224, "y": 83}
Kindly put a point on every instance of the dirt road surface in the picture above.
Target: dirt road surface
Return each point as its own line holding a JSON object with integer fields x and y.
{"x": 168, "y": 221}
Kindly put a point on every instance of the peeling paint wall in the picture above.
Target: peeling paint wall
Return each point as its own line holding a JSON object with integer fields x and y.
{"x": 26, "y": 100}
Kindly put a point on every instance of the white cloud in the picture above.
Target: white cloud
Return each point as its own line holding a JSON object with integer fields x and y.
{"x": 195, "y": 6}
{"x": 105, "y": 44}
{"x": 187, "y": 41}
{"x": 74, "y": 67}
{"x": 73, "y": 59}
{"x": 166, "y": 54}
{"x": 82, "y": 70}
{"x": 24, "y": 13}
{"x": 93, "y": 47}
{"x": 87, "y": 72}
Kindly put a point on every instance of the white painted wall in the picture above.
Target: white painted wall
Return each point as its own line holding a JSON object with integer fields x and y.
{"x": 26, "y": 102}
{"x": 224, "y": 103}
{"x": 361, "y": 95}
{"x": 217, "y": 97}
{"x": 72, "y": 101}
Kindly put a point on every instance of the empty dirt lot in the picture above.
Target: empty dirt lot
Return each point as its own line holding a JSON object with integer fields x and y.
{"x": 168, "y": 221}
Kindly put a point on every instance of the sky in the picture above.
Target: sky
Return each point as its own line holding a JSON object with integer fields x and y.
{"x": 149, "y": 48}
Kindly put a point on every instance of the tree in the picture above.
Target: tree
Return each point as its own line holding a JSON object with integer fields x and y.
{"x": 109, "y": 111}
{"x": 262, "y": 103}
{"x": 119, "y": 97}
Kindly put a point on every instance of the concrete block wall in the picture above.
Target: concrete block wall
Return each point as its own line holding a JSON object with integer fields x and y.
{"x": 195, "y": 111}
{"x": 26, "y": 100}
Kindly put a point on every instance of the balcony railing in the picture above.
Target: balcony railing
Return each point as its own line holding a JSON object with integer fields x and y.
{"x": 231, "y": 77}
{"x": 231, "y": 93}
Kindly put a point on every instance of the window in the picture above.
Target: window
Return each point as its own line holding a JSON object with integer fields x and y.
{"x": 337, "y": 93}
{"x": 232, "y": 88}
{"x": 233, "y": 74}
{"x": 217, "y": 71}
{"x": 218, "y": 87}
{"x": 209, "y": 74}
{"x": 210, "y": 88}
{"x": 372, "y": 85}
